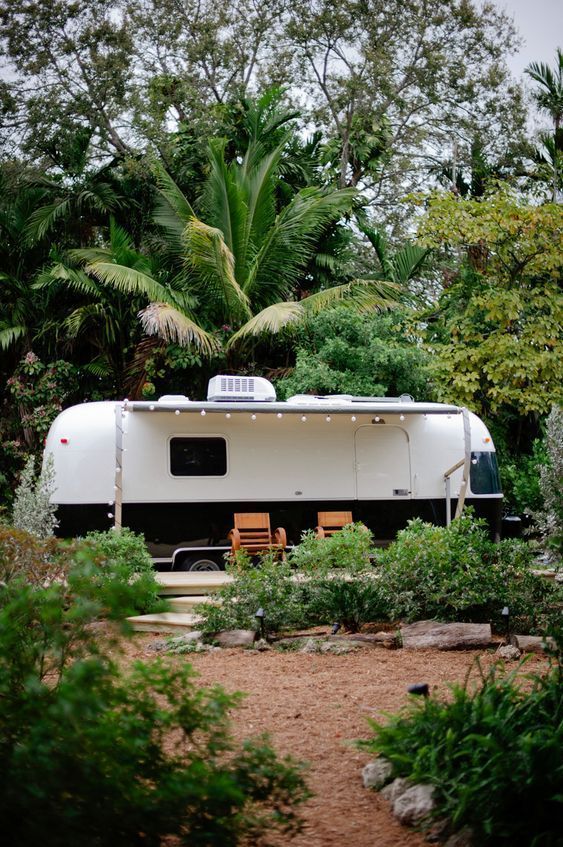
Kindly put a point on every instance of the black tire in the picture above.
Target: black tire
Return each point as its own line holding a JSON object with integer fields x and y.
{"x": 199, "y": 562}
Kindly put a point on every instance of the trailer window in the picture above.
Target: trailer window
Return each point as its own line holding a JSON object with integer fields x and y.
{"x": 198, "y": 456}
{"x": 484, "y": 473}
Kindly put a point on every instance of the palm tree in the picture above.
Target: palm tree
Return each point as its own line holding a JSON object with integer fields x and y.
{"x": 549, "y": 97}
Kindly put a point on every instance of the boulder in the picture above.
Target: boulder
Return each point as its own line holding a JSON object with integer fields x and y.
{"x": 235, "y": 637}
{"x": 445, "y": 636}
{"x": 394, "y": 790}
{"x": 508, "y": 653}
{"x": 377, "y": 773}
{"x": 415, "y": 804}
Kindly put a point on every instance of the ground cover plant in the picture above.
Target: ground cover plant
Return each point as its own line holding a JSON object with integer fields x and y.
{"x": 95, "y": 756}
{"x": 493, "y": 751}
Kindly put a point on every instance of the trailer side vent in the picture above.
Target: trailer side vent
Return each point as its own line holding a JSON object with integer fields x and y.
{"x": 240, "y": 388}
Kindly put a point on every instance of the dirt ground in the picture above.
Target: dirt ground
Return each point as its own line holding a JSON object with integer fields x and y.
{"x": 313, "y": 706}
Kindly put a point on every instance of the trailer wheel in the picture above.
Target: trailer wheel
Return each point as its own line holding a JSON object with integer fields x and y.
{"x": 198, "y": 562}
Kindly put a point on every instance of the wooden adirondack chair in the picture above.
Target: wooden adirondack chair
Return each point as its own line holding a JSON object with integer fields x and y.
{"x": 252, "y": 533}
{"x": 331, "y": 522}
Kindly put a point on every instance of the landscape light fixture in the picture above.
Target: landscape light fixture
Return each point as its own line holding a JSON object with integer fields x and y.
{"x": 506, "y": 617}
{"x": 419, "y": 689}
{"x": 259, "y": 615}
{"x": 335, "y": 628}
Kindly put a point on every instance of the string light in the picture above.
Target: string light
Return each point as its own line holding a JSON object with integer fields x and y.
{"x": 303, "y": 418}
{"x": 328, "y": 419}
{"x": 151, "y": 407}
{"x": 401, "y": 417}
{"x": 252, "y": 417}
{"x": 228, "y": 416}
{"x": 279, "y": 416}
{"x": 203, "y": 413}
{"x": 354, "y": 419}
{"x": 177, "y": 412}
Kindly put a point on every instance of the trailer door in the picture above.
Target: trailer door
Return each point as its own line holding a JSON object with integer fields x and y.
{"x": 383, "y": 464}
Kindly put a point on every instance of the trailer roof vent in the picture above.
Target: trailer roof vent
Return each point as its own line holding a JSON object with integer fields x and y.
{"x": 240, "y": 388}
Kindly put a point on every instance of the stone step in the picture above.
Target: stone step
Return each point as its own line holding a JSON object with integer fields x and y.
{"x": 189, "y": 603}
{"x": 191, "y": 582}
{"x": 174, "y": 622}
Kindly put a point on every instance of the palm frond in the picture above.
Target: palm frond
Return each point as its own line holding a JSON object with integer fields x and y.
{"x": 127, "y": 280}
{"x": 379, "y": 244}
{"x": 42, "y": 220}
{"x": 270, "y": 320}
{"x": 407, "y": 262}
{"x": 74, "y": 278}
{"x": 77, "y": 319}
{"x": 99, "y": 367}
{"x": 9, "y": 335}
{"x": 173, "y": 195}
{"x": 291, "y": 242}
{"x": 223, "y": 200}
{"x": 210, "y": 257}
{"x": 361, "y": 295}
{"x": 174, "y": 327}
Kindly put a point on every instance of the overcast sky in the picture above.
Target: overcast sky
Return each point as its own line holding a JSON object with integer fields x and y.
{"x": 540, "y": 23}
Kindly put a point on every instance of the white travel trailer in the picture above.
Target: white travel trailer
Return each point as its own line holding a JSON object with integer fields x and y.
{"x": 177, "y": 469}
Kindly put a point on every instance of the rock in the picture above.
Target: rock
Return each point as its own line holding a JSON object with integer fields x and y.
{"x": 445, "y": 636}
{"x": 414, "y": 804}
{"x": 508, "y": 653}
{"x": 262, "y": 645}
{"x": 235, "y": 637}
{"x": 463, "y": 838}
{"x": 395, "y": 789}
{"x": 339, "y": 649}
{"x": 310, "y": 646}
{"x": 531, "y": 643}
{"x": 186, "y": 638}
{"x": 377, "y": 773}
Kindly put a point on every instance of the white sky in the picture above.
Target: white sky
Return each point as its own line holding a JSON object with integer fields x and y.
{"x": 540, "y": 23}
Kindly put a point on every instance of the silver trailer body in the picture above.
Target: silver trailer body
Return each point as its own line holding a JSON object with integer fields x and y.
{"x": 177, "y": 469}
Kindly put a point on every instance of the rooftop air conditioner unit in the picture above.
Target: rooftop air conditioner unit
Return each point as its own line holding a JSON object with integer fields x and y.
{"x": 240, "y": 388}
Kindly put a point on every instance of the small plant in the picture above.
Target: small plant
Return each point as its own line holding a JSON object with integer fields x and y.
{"x": 492, "y": 751}
{"x": 32, "y": 510}
{"x": 351, "y": 601}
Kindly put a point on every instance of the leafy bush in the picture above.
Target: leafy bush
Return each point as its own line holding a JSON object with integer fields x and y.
{"x": 457, "y": 573}
{"x": 494, "y": 755}
{"x": 550, "y": 519}
{"x": 351, "y": 602}
{"x": 32, "y": 508}
{"x": 349, "y": 548}
{"x": 85, "y": 751}
{"x": 100, "y": 568}
{"x": 269, "y": 586}
{"x": 520, "y": 477}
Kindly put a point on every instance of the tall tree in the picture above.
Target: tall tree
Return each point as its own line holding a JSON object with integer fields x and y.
{"x": 549, "y": 97}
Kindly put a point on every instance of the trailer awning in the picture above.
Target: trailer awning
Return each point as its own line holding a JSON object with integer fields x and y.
{"x": 354, "y": 407}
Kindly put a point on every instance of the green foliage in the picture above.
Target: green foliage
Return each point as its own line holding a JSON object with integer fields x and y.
{"x": 351, "y": 601}
{"x": 520, "y": 477}
{"x": 114, "y": 574}
{"x": 32, "y": 510}
{"x": 457, "y": 573}
{"x": 496, "y": 335}
{"x": 85, "y": 750}
{"x": 123, "y": 557}
{"x": 550, "y": 518}
{"x": 341, "y": 352}
{"x": 348, "y": 549}
{"x": 269, "y": 586}
{"x": 493, "y": 752}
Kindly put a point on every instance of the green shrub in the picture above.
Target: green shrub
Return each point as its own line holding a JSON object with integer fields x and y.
{"x": 32, "y": 509}
{"x": 123, "y": 557}
{"x": 351, "y": 602}
{"x": 269, "y": 585}
{"x": 100, "y": 569}
{"x": 86, "y": 752}
{"x": 520, "y": 477}
{"x": 349, "y": 548}
{"x": 457, "y": 573}
{"x": 494, "y": 755}
{"x": 550, "y": 519}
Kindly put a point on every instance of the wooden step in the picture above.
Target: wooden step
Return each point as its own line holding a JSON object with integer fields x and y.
{"x": 191, "y": 582}
{"x": 174, "y": 622}
{"x": 189, "y": 603}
